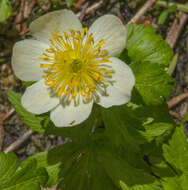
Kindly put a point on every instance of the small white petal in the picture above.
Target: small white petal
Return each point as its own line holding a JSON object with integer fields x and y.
{"x": 56, "y": 21}
{"x": 120, "y": 92}
{"x": 111, "y": 29}
{"x": 71, "y": 115}
{"x": 25, "y": 59}
{"x": 38, "y": 98}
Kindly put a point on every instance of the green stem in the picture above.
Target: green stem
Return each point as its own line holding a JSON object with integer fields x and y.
{"x": 172, "y": 65}
{"x": 180, "y": 7}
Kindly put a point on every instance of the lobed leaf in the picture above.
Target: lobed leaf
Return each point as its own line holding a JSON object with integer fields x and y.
{"x": 14, "y": 177}
{"x": 152, "y": 82}
{"x": 176, "y": 153}
{"x": 144, "y": 45}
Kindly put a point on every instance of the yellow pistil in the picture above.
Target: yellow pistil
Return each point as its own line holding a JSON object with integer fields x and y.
{"x": 76, "y": 65}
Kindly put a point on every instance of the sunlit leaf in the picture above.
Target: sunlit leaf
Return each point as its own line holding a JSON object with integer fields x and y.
{"x": 5, "y": 10}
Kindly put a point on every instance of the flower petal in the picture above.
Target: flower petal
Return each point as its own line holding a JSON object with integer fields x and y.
{"x": 37, "y": 98}
{"x": 71, "y": 115}
{"x": 120, "y": 92}
{"x": 111, "y": 29}
{"x": 56, "y": 21}
{"x": 25, "y": 59}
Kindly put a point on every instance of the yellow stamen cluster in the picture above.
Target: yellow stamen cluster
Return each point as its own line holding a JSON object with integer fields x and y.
{"x": 76, "y": 65}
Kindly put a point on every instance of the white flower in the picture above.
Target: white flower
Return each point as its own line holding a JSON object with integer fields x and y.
{"x": 74, "y": 66}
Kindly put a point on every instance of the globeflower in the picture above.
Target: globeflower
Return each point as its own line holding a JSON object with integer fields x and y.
{"x": 74, "y": 67}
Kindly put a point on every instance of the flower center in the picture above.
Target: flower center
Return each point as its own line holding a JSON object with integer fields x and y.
{"x": 77, "y": 66}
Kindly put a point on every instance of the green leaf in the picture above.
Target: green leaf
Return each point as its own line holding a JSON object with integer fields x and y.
{"x": 155, "y": 117}
{"x": 118, "y": 127}
{"x": 97, "y": 166}
{"x": 53, "y": 160}
{"x": 155, "y": 130}
{"x": 89, "y": 165}
{"x": 27, "y": 83}
{"x": 8, "y": 165}
{"x": 160, "y": 167}
{"x": 122, "y": 129}
{"x": 52, "y": 166}
{"x": 148, "y": 55}
{"x": 133, "y": 129}
{"x": 172, "y": 8}
{"x": 5, "y": 10}
{"x": 144, "y": 45}
{"x": 175, "y": 183}
{"x": 173, "y": 170}
{"x": 14, "y": 177}
{"x": 154, "y": 186}
{"x": 83, "y": 171}
{"x": 152, "y": 82}
{"x": 162, "y": 18}
{"x": 31, "y": 120}
{"x": 176, "y": 153}
{"x": 118, "y": 169}
{"x": 156, "y": 123}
